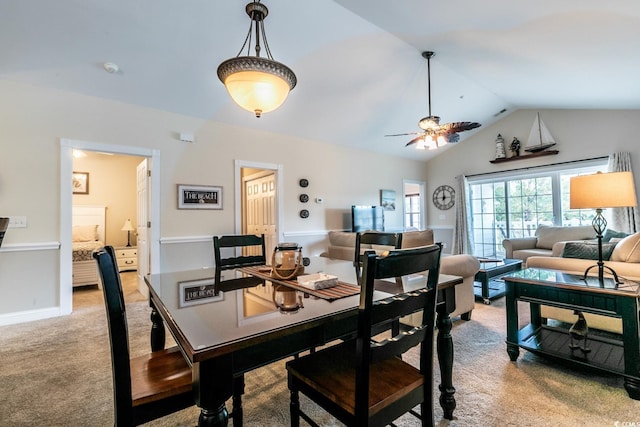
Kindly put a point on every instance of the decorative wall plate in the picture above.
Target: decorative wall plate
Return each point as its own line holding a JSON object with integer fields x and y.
{"x": 304, "y": 198}
{"x": 304, "y": 213}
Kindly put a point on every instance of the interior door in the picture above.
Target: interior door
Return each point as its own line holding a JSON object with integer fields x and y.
{"x": 142, "y": 221}
{"x": 260, "y": 209}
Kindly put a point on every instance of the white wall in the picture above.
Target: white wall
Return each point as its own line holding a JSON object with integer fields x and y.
{"x": 33, "y": 120}
{"x": 580, "y": 134}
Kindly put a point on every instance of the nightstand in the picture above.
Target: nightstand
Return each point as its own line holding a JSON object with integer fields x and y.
{"x": 127, "y": 258}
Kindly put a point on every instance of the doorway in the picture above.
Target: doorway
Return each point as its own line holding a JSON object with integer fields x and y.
{"x": 413, "y": 202}
{"x": 258, "y": 197}
{"x": 152, "y": 203}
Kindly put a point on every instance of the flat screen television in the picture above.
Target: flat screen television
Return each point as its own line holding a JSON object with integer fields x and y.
{"x": 365, "y": 218}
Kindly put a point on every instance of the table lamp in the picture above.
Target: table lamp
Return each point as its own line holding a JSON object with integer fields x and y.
{"x": 599, "y": 191}
{"x": 128, "y": 227}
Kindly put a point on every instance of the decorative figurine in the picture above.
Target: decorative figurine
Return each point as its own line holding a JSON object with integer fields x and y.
{"x": 500, "y": 151}
{"x": 515, "y": 146}
{"x": 579, "y": 331}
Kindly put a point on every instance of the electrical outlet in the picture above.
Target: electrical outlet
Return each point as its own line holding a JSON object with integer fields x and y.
{"x": 17, "y": 222}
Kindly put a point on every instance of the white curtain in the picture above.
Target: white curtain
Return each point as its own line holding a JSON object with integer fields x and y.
{"x": 626, "y": 220}
{"x": 462, "y": 239}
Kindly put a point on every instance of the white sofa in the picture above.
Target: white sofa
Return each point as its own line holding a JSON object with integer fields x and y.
{"x": 342, "y": 246}
{"x": 547, "y": 241}
{"x": 624, "y": 260}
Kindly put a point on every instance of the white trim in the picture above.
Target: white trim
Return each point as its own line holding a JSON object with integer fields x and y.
{"x": 288, "y": 234}
{"x": 29, "y": 316}
{"x": 66, "y": 169}
{"x": 423, "y": 199}
{"x": 24, "y": 247}
{"x": 185, "y": 239}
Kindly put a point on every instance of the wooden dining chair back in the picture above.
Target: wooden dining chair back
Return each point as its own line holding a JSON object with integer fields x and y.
{"x": 362, "y": 382}
{"x": 146, "y": 387}
{"x": 373, "y": 240}
{"x": 247, "y": 243}
{"x": 4, "y": 224}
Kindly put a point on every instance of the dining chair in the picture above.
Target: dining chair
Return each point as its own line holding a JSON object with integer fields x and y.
{"x": 247, "y": 243}
{"x": 372, "y": 239}
{"x": 365, "y": 383}
{"x": 146, "y": 387}
{"x": 253, "y": 248}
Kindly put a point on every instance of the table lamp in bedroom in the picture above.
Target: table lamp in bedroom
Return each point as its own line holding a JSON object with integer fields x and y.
{"x": 128, "y": 227}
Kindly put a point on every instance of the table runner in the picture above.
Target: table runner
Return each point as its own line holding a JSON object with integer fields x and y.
{"x": 342, "y": 289}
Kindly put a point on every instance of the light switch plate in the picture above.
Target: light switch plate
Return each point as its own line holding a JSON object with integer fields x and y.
{"x": 17, "y": 222}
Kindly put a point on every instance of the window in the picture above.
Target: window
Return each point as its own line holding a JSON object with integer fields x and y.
{"x": 412, "y": 211}
{"x": 515, "y": 203}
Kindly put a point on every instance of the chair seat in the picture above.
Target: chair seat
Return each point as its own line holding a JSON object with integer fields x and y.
{"x": 331, "y": 372}
{"x": 158, "y": 375}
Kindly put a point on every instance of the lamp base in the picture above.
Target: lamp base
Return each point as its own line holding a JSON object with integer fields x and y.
{"x": 128, "y": 238}
{"x": 601, "y": 269}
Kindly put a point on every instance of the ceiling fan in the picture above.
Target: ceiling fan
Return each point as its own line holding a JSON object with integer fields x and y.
{"x": 434, "y": 134}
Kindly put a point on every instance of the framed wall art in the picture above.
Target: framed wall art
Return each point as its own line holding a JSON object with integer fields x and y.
{"x": 388, "y": 200}
{"x": 199, "y": 197}
{"x": 80, "y": 183}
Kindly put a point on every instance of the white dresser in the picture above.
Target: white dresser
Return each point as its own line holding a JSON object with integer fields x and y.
{"x": 127, "y": 257}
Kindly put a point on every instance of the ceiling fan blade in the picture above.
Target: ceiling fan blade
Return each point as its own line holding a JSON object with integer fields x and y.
{"x": 453, "y": 138}
{"x": 456, "y": 127}
{"x": 405, "y": 134}
{"x": 414, "y": 140}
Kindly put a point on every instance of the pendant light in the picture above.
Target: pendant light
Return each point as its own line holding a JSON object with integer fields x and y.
{"x": 257, "y": 84}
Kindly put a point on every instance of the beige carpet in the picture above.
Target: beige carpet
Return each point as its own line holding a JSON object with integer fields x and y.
{"x": 57, "y": 372}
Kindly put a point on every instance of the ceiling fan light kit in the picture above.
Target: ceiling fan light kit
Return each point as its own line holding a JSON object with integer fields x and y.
{"x": 257, "y": 84}
{"x": 435, "y": 135}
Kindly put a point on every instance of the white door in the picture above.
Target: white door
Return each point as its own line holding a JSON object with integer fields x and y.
{"x": 260, "y": 211}
{"x": 142, "y": 221}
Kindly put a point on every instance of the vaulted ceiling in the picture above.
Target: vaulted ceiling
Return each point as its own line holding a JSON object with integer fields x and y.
{"x": 358, "y": 63}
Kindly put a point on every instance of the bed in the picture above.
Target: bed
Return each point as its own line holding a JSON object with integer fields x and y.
{"x": 88, "y": 234}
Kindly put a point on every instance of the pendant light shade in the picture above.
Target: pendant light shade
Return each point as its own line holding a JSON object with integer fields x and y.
{"x": 257, "y": 84}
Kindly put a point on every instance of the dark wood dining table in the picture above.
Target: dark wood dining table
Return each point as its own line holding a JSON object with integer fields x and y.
{"x": 231, "y": 325}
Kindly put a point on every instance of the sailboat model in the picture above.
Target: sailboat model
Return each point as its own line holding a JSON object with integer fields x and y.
{"x": 539, "y": 138}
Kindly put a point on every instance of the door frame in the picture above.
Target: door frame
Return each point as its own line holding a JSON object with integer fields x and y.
{"x": 66, "y": 202}
{"x": 278, "y": 173}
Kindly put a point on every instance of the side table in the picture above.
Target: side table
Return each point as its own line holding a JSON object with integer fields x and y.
{"x": 127, "y": 258}
{"x": 488, "y": 283}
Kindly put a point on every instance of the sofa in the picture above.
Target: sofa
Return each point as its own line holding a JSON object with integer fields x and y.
{"x": 624, "y": 260}
{"x": 342, "y": 246}
{"x": 547, "y": 241}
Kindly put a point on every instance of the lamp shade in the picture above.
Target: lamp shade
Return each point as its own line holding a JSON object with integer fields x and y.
{"x": 256, "y": 84}
{"x": 602, "y": 190}
{"x": 127, "y": 226}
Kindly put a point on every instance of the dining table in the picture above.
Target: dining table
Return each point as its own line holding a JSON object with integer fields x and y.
{"x": 229, "y": 322}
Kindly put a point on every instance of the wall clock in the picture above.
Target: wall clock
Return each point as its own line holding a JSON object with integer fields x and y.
{"x": 304, "y": 182}
{"x": 304, "y": 198}
{"x": 304, "y": 213}
{"x": 444, "y": 197}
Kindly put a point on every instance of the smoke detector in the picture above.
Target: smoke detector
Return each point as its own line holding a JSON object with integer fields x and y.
{"x": 110, "y": 67}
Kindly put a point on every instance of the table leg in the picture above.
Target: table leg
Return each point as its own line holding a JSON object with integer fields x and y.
{"x": 445, "y": 354}
{"x": 212, "y": 386}
{"x": 511, "y": 308}
{"x": 157, "y": 329}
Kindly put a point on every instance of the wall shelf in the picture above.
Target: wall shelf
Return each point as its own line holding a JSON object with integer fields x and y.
{"x": 525, "y": 156}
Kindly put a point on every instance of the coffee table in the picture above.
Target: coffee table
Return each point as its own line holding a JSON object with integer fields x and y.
{"x": 488, "y": 283}
{"x": 617, "y": 354}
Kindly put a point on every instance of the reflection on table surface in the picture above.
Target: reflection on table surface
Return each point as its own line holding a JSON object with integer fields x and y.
{"x": 244, "y": 311}
{"x": 562, "y": 278}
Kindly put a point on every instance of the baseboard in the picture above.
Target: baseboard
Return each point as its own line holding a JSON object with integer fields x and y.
{"x": 29, "y": 316}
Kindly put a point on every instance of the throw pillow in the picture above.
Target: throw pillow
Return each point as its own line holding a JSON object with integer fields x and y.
{"x": 611, "y": 234}
{"x": 84, "y": 233}
{"x": 587, "y": 250}
{"x": 627, "y": 249}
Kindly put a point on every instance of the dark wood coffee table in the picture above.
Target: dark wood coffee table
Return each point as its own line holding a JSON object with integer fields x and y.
{"x": 617, "y": 354}
{"x": 488, "y": 283}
